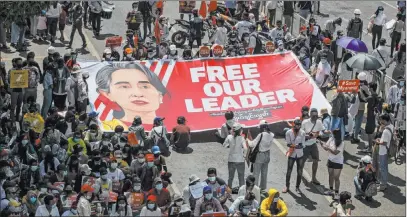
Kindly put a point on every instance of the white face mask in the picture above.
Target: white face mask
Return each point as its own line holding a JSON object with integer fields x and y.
{"x": 302, "y": 54}
{"x": 88, "y": 197}
{"x": 108, "y": 56}
{"x": 173, "y": 52}
{"x": 381, "y": 12}
{"x": 137, "y": 187}
{"x": 141, "y": 160}
{"x": 113, "y": 165}
{"x": 179, "y": 203}
{"x": 129, "y": 55}
{"x": 323, "y": 61}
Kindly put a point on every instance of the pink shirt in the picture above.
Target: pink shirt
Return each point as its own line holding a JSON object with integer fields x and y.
{"x": 42, "y": 23}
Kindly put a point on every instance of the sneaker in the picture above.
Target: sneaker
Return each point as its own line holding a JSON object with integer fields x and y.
{"x": 336, "y": 196}
{"x": 285, "y": 190}
{"x": 357, "y": 196}
{"x": 298, "y": 190}
{"x": 329, "y": 192}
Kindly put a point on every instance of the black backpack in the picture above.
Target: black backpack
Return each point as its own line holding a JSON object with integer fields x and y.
{"x": 257, "y": 48}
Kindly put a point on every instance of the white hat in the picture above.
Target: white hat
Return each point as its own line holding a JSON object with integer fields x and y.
{"x": 107, "y": 51}
{"x": 85, "y": 168}
{"x": 193, "y": 178}
{"x": 75, "y": 69}
{"x": 357, "y": 11}
{"x": 262, "y": 122}
{"x": 280, "y": 43}
{"x": 51, "y": 50}
{"x": 366, "y": 159}
{"x": 173, "y": 47}
{"x": 362, "y": 76}
{"x": 236, "y": 126}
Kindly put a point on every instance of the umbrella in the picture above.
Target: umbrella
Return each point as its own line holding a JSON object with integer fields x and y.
{"x": 364, "y": 62}
{"x": 352, "y": 44}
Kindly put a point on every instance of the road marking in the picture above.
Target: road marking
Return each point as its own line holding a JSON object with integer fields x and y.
{"x": 307, "y": 177}
{"x": 389, "y": 5}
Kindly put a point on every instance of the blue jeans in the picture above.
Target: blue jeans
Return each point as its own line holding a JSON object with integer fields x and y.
{"x": 15, "y": 33}
{"x": 384, "y": 170}
{"x": 358, "y": 123}
{"x": 358, "y": 187}
{"x": 46, "y": 103}
{"x": 337, "y": 122}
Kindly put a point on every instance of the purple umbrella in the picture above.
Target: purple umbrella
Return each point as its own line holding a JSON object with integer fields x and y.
{"x": 352, "y": 44}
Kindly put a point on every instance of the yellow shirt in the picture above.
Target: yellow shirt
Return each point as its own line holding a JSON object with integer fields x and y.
{"x": 110, "y": 125}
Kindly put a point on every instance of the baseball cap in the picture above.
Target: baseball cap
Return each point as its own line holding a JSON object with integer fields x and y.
{"x": 155, "y": 149}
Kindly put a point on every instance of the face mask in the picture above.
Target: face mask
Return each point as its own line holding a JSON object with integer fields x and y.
{"x": 232, "y": 54}
{"x": 150, "y": 206}
{"x": 137, "y": 187}
{"x": 119, "y": 160}
{"x": 65, "y": 173}
{"x": 34, "y": 168}
{"x": 209, "y": 211}
{"x": 381, "y": 12}
{"x": 275, "y": 200}
{"x": 88, "y": 197}
{"x": 150, "y": 164}
{"x": 173, "y": 52}
{"x": 43, "y": 190}
{"x": 159, "y": 186}
{"x": 212, "y": 179}
{"x": 113, "y": 165}
{"x": 357, "y": 15}
{"x": 141, "y": 160}
{"x": 129, "y": 55}
{"x": 33, "y": 199}
{"x": 302, "y": 55}
{"x": 108, "y": 56}
{"x": 281, "y": 47}
{"x": 122, "y": 205}
{"x": 401, "y": 83}
{"x": 118, "y": 134}
{"x": 150, "y": 55}
{"x": 324, "y": 61}
{"x": 87, "y": 172}
{"x": 104, "y": 177}
{"x": 242, "y": 52}
{"x": 76, "y": 140}
{"x": 24, "y": 142}
{"x": 74, "y": 211}
{"x": 208, "y": 196}
{"x": 179, "y": 203}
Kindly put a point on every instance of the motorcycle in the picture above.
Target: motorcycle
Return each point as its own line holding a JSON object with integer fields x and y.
{"x": 180, "y": 36}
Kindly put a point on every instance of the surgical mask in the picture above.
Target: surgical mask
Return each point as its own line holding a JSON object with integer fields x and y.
{"x": 33, "y": 199}
{"x": 118, "y": 134}
{"x": 108, "y": 56}
{"x": 150, "y": 54}
{"x": 242, "y": 52}
{"x": 212, "y": 179}
{"x": 65, "y": 173}
{"x": 150, "y": 164}
{"x": 179, "y": 203}
{"x": 232, "y": 54}
{"x": 34, "y": 168}
{"x": 173, "y": 52}
{"x": 401, "y": 83}
{"x": 104, "y": 177}
{"x": 159, "y": 186}
{"x": 208, "y": 196}
{"x": 88, "y": 197}
{"x": 141, "y": 160}
{"x": 275, "y": 200}
{"x": 76, "y": 140}
{"x": 150, "y": 206}
{"x": 137, "y": 187}
{"x": 381, "y": 12}
{"x": 324, "y": 61}
{"x": 129, "y": 55}
{"x": 43, "y": 190}
{"x": 122, "y": 205}
{"x": 209, "y": 211}
{"x": 357, "y": 15}
{"x": 24, "y": 142}
{"x": 113, "y": 165}
{"x": 119, "y": 160}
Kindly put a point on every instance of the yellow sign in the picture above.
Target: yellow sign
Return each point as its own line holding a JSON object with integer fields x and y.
{"x": 36, "y": 121}
{"x": 19, "y": 78}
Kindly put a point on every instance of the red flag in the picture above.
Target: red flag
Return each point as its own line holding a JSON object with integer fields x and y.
{"x": 203, "y": 9}
{"x": 213, "y": 5}
{"x": 157, "y": 32}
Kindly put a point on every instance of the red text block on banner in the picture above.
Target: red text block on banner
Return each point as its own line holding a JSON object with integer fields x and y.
{"x": 348, "y": 86}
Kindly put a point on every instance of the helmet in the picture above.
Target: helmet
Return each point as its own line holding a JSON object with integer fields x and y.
{"x": 107, "y": 51}
{"x": 119, "y": 129}
{"x": 195, "y": 11}
{"x": 357, "y": 12}
{"x": 297, "y": 122}
{"x": 366, "y": 159}
{"x": 327, "y": 41}
{"x": 128, "y": 51}
{"x": 155, "y": 149}
{"x": 51, "y": 50}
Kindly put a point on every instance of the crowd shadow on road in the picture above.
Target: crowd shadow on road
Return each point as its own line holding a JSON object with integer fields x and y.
{"x": 40, "y": 42}
{"x": 394, "y": 194}
{"x": 304, "y": 201}
{"x": 397, "y": 181}
{"x": 372, "y": 204}
{"x": 348, "y": 157}
{"x": 103, "y": 36}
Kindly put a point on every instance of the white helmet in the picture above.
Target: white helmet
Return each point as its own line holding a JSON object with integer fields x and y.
{"x": 107, "y": 51}
{"x": 173, "y": 47}
{"x": 366, "y": 159}
{"x": 357, "y": 12}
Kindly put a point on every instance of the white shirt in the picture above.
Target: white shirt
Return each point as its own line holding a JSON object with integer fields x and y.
{"x": 331, "y": 145}
{"x": 242, "y": 27}
{"x": 146, "y": 212}
{"x": 220, "y": 36}
{"x": 68, "y": 213}
{"x": 290, "y": 138}
{"x": 43, "y": 211}
{"x": 394, "y": 94}
{"x": 265, "y": 143}
{"x": 84, "y": 208}
{"x": 115, "y": 175}
{"x": 307, "y": 126}
{"x": 276, "y": 33}
{"x": 256, "y": 192}
{"x": 323, "y": 69}
{"x": 271, "y": 5}
{"x": 379, "y": 20}
{"x": 386, "y": 137}
{"x": 237, "y": 147}
{"x": 54, "y": 12}
{"x": 385, "y": 54}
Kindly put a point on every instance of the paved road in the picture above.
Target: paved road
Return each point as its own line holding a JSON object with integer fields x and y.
{"x": 213, "y": 155}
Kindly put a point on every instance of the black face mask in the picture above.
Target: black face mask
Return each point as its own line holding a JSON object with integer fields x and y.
{"x": 19, "y": 65}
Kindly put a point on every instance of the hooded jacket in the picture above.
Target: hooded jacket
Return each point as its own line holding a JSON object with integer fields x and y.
{"x": 267, "y": 203}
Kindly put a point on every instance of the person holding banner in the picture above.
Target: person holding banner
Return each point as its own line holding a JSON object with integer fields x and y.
{"x": 132, "y": 90}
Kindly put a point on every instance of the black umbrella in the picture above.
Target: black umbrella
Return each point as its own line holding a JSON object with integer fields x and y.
{"x": 364, "y": 61}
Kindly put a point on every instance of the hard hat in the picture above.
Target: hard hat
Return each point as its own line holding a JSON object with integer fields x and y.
{"x": 107, "y": 51}
{"x": 327, "y": 41}
{"x": 51, "y": 50}
{"x": 357, "y": 11}
{"x": 173, "y": 47}
{"x": 366, "y": 159}
{"x": 128, "y": 50}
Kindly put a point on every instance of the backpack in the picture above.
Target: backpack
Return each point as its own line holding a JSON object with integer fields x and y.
{"x": 257, "y": 48}
{"x": 392, "y": 149}
{"x": 371, "y": 189}
{"x": 162, "y": 142}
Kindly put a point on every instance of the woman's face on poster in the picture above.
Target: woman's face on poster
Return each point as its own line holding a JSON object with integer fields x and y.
{"x": 131, "y": 89}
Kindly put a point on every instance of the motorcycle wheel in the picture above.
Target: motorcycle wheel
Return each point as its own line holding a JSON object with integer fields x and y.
{"x": 179, "y": 38}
